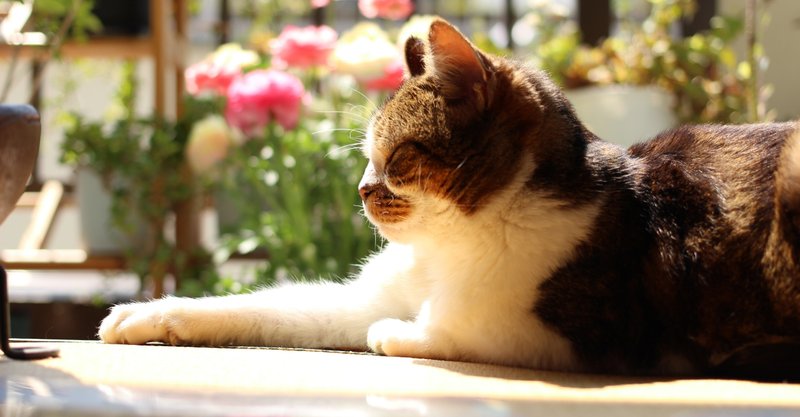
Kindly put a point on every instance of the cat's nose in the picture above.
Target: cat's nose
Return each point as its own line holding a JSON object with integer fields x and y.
{"x": 364, "y": 190}
{"x": 369, "y": 182}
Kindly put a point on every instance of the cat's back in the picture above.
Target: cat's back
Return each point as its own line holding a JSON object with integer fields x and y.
{"x": 725, "y": 150}
{"x": 719, "y": 198}
{"x": 690, "y": 256}
{"x": 708, "y": 183}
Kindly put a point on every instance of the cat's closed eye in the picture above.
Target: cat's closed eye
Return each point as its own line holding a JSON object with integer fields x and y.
{"x": 405, "y": 163}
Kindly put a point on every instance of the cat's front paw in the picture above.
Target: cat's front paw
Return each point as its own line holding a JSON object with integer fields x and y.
{"x": 392, "y": 337}
{"x": 138, "y": 323}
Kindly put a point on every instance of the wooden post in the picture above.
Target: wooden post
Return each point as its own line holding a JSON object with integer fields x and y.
{"x": 751, "y": 42}
{"x": 42, "y": 216}
{"x": 187, "y": 226}
{"x": 594, "y": 18}
{"x": 159, "y": 25}
{"x": 158, "y": 267}
{"x": 510, "y": 18}
{"x": 706, "y": 9}
{"x": 37, "y": 69}
{"x": 318, "y": 16}
{"x": 187, "y": 212}
{"x": 224, "y": 28}
{"x": 180, "y": 45}
{"x": 168, "y": 27}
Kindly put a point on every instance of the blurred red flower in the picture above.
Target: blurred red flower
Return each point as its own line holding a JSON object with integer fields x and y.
{"x": 303, "y": 47}
{"x": 391, "y": 80}
{"x": 218, "y": 70}
{"x": 207, "y": 76}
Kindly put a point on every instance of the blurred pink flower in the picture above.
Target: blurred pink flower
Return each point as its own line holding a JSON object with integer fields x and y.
{"x": 218, "y": 70}
{"x": 391, "y": 80}
{"x": 319, "y": 3}
{"x": 303, "y": 47}
{"x": 259, "y": 95}
{"x": 386, "y": 9}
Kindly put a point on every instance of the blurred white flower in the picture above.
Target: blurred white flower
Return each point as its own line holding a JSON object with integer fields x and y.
{"x": 208, "y": 144}
{"x": 364, "y": 52}
{"x": 418, "y": 26}
{"x": 233, "y": 54}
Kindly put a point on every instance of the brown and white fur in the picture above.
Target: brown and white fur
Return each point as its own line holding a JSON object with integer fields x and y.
{"x": 518, "y": 237}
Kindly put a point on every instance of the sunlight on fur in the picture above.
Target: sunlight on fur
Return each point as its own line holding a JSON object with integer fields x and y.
{"x": 518, "y": 237}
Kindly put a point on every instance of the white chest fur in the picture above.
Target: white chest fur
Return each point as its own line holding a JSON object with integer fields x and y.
{"x": 478, "y": 285}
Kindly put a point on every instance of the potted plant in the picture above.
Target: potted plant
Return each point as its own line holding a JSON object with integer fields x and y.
{"x": 643, "y": 79}
{"x": 130, "y": 179}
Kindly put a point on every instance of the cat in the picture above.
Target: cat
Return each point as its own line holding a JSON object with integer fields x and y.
{"x": 517, "y": 237}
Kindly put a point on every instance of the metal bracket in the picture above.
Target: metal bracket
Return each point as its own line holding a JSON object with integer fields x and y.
{"x": 24, "y": 353}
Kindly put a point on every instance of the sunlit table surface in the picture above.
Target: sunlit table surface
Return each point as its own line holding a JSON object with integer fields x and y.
{"x": 92, "y": 379}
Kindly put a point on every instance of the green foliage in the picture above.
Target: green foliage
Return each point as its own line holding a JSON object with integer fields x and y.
{"x": 139, "y": 161}
{"x": 294, "y": 192}
{"x": 48, "y": 16}
{"x": 141, "y": 164}
{"x": 265, "y": 12}
{"x": 296, "y": 195}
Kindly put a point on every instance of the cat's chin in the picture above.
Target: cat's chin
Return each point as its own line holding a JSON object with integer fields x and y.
{"x": 390, "y": 232}
{"x": 394, "y": 232}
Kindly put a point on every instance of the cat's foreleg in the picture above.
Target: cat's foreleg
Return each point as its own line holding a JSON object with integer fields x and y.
{"x": 325, "y": 315}
{"x": 418, "y": 338}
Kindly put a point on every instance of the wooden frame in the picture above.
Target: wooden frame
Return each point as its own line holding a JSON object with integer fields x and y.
{"x": 165, "y": 45}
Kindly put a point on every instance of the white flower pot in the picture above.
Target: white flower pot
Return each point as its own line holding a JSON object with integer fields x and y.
{"x": 624, "y": 114}
{"x": 98, "y": 233}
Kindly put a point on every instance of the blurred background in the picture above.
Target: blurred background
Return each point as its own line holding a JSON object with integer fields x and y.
{"x": 211, "y": 146}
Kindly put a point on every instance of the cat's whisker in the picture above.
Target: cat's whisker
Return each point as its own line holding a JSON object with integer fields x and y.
{"x": 356, "y": 116}
{"x": 371, "y": 103}
{"x": 363, "y": 109}
{"x": 428, "y": 180}
{"x": 350, "y": 147}
{"x": 419, "y": 177}
{"x": 462, "y": 163}
{"x": 333, "y": 129}
{"x": 360, "y": 138}
{"x": 357, "y": 136}
{"x": 340, "y": 150}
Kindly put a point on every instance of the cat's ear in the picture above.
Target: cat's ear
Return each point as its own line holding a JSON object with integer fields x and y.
{"x": 464, "y": 72}
{"x": 415, "y": 56}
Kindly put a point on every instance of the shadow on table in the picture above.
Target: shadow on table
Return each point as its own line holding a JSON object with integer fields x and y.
{"x": 562, "y": 379}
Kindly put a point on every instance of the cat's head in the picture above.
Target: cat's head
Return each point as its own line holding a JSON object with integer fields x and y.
{"x": 455, "y": 136}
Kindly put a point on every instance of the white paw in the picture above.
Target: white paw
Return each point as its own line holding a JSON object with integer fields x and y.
{"x": 394, "y": 337}
{"x": 138, "y": 323}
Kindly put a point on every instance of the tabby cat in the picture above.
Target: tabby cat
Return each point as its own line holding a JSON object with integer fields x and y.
{"x": 518, "y": 237}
